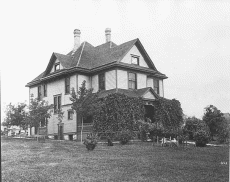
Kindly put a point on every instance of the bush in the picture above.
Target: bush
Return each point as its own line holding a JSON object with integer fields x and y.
{"x": 90, "y": 142}
{"x": 201, "y": 138}
{"x": 143, "y": 135}
{"x": 124, "y": 136}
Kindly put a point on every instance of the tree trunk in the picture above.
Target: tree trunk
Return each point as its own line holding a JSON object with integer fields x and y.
{"x": 81, "y": 128}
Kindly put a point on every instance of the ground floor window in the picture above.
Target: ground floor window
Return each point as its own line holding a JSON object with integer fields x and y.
{"x": 71, "y": 137}
{"x": 88, "y": 120}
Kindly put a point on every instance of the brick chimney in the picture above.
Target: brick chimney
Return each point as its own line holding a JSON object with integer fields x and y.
{"x": 77, "y": 42}
{"x": 108, "y": 34}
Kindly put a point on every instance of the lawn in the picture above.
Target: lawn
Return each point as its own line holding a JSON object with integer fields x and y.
{"x": 28, "y": 160}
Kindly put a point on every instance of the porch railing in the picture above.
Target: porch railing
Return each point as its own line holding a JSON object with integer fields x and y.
{"x": 87, "y": 127}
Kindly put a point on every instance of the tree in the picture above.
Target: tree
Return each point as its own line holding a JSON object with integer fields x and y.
{"x": 16, "y": 115}
{"x": 214, "y": 119}
{"x": 168, "y": 114}
{"x": 190, "y": 127}
{"x": 83, "y": 102}
{"x": 8, "y": 112}
{"x": 39, "y": 112}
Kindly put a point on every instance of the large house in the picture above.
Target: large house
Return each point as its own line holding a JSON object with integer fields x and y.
{"x": 110, "y": 68}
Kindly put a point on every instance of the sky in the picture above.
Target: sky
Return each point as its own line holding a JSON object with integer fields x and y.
{"x": 188, "y": 40}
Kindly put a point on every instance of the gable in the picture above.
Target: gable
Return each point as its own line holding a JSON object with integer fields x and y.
{"x": 134, "y": 51}
{"x": 54, "y": 63}
{"x": 149, "y": 95}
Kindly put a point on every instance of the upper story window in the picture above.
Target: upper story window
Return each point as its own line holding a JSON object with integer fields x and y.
{"x": 57, "y": 103}
{"x": 70, "y": 115}
{"x": 156, "y": 86}
{"x": 134, "y": 59}
{"x": 101, "y": 79}
{"x": 45, "y": 90}
{"x": 57, "y": 67}
{"x": 132, "y": 81}
{"x": 39, "y": 92}
{"x": 67, "y": 85}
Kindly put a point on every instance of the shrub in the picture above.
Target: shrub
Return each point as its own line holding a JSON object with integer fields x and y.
{"x": 201, "y": 138}
{"x": 143, "y": 135}
{"x": 124, "y": 136}
{"x": 90, "y": 142}
{"x": 223, "y": 136}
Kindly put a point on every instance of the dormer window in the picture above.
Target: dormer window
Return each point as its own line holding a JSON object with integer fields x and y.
{"x": 57, "y": 67}
{"x": 134, "y": 59}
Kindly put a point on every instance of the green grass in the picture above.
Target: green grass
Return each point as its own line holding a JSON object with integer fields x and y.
{"x": 28, "y": 160}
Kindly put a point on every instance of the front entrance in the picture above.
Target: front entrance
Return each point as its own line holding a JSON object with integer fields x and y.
{"x": 60, "y": 131}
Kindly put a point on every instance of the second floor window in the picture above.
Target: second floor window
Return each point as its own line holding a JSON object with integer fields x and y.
{"x": 101, "y": 81}
{"x": 156, "y": 86}
{"x": 70, "y": 115}
{"x": 39, "y": 92}
{"x": 57, "y": 103}
{"x": 45, "y": 90}
{"x": 67, "y": 85}
{"x": 132, "y": 81}
{"x": 57, "y": 67}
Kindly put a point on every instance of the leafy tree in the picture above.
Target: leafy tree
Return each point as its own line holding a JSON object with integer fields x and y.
{"x": 16, "y": 115}
{"x": 223, "y": 131}
{"x": 39, "y": 112}
{"x": 168, "y": 115}
{"x": 8, "y": 112}
{"x": 83, "y": 102}
{"x": 214, "y": 119}
{"x": 190, "y": 127}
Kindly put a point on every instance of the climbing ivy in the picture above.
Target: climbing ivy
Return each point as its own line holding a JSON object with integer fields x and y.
{"x": 117, "y": 112}
{"x": 169, "y": 114}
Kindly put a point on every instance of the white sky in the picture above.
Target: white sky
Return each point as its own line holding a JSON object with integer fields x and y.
{"x": 189, "y": 41}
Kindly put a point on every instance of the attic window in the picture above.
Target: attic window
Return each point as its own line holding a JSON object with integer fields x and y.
{"x": 57, "y": 67}
{"x": 134, "y": 59}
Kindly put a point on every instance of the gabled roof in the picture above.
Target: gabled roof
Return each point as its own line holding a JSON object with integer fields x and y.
{"x": 89, "y": 58}
{"x": 129, "y": 92}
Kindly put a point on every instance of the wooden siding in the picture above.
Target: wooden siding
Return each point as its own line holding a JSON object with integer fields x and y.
{"x": 149, "y": 95}
{"x": 95, "y": 83}
{"x": 56, "y": 61}
{"x": 161, "y": 88}
{"x": 122, "y": 79}
{"x": 134, "y": 51}
{"x": 69, "y": 125}
{"x": 150, "y": 82}
{"x": 110, "y": 80}
{"x": 81, "y": 78}
{"x": 141, "y": 81}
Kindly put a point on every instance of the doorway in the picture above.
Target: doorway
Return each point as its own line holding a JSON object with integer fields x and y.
{"x": 60, "y": 132}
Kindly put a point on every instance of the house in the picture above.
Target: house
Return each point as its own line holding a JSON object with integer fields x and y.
{"x": 125, "y": 68}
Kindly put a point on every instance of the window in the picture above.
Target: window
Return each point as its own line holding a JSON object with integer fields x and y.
{"x": 67, "y": 85}
{"x": 39, "y": 93}
{"x": 156, "y": 86}
{"x": 70, "y": 115}
{"x": 132, "y": 81}
{"x": 57, "y": 67}
{"x": 88, "y": 120}
{"x": 135, "y": 59}
{"x": 45, "y": 90}
{"x": 57, "y": 103}
{"x": 101, "y": 81}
